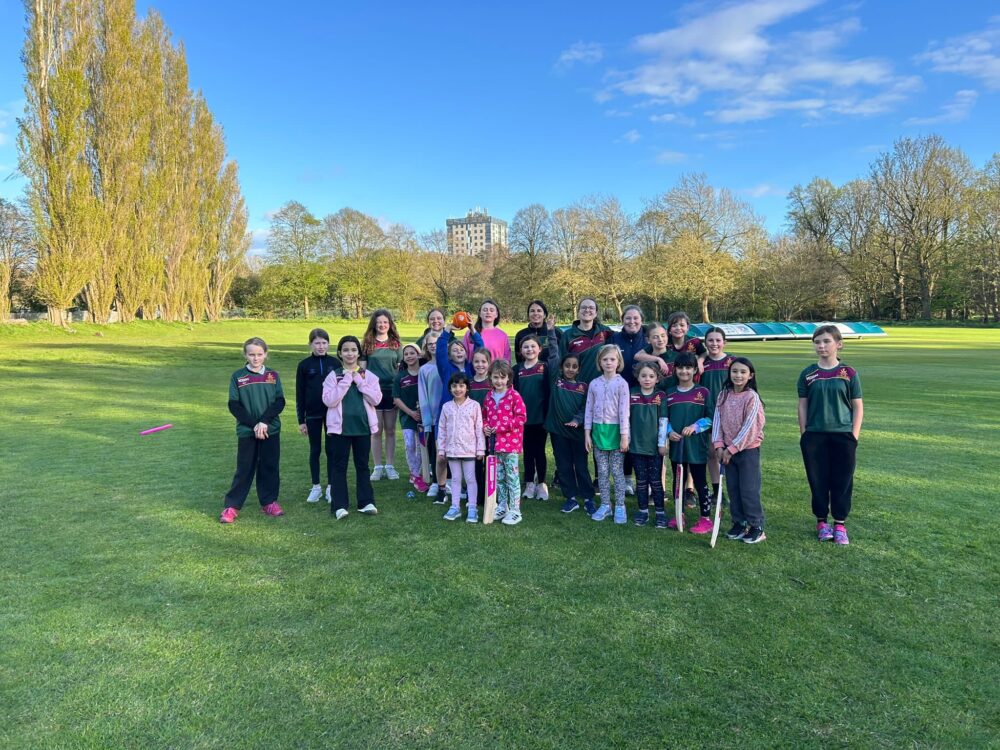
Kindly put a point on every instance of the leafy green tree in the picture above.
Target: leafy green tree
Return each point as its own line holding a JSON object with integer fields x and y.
{"x": 294, "y": 249}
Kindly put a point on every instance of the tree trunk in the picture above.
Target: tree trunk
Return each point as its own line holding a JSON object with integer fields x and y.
{"x": 305, "y": 305}
{"x": 57, "y": 316}
{"x": 704, "y": 309}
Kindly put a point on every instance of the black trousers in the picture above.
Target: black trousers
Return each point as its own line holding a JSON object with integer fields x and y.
{"x": 830, "y": 459}
{"x": 432, "y": 452}
{"x": 480, "y": 482}
{"x": 317, "y": 429}
{"x": 343, "y": 446}
{"x": 260, "y": 459}
{"x": 743, "y": 483}
{"x": 647, "y": 480}
{"x": 571, "y": 463}
{"x": 698, "y": 473}
{"x": 535, "y": 462}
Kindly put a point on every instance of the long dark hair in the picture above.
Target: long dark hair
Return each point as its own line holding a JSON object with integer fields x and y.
{"x": 728, "y": 386}
{"x": 479, "y": 321}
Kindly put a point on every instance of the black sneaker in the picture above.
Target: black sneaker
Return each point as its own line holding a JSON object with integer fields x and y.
{"x": 690, "y": 498}
{"x": 661, "y": 521}
{"x": 641, "y": 518}
{"x": 737, "y": 532}
{"x": 753, "y": 535}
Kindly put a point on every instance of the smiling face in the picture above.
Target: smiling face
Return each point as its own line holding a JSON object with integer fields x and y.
{"x": 530, "y": 350}
{"x": 657, "y": 338}
{"x": 255, "y": 355}
{"x": 431, "y": 343}
{"x": 536, "y": 315}
{"x": 488, "y": 313}
{"x": 499, "y": 381}
{"x": 741, "y": 376}
{"x": 715, "y": 344}
{"x": 631, "y": 322}
{"x": 459, "y": 391}
{"x": 587, "y": 311}
{"x": 381, "y": 326}
{"x": 435, "y": 321}
{"x": 571, "y": 368}
{"x": 480, "y": 364}
{"x": 319, "y": 347}
{"x": 410, "y": 356}
{"x": 685, "y": 374}
{"x": 678, "y": 330}
{"x": 456, "y": 352}
{"x": 349, "y": 354}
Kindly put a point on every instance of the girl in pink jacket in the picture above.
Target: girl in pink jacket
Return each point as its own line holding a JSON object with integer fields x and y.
{"x": 351, "y": 395}
{"x": 606, "y": 429}
{"x": 504, "y": 416}
{"x": 461, "y": 441}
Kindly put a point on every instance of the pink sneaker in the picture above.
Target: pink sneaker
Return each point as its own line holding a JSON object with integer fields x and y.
{"x": 272, "y": 509}
{"x": 420, "y": 484}
{"x": 840, "y": 534}
{"x": 228, "y": 515}
{"x": 704, "y": 526}
{"x": 672, "y": 523}
{"x": 823, "y": 531}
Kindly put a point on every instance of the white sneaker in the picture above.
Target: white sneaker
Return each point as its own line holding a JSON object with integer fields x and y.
{"x": 341, "y": 513}
{"x": 329, "y": 499}
{"x": 629, "y": 487}
{"x": 315, "y": 494}
{"x": 529, "y": 490}
{"x": 432, "y": 491}
{"x": 500, "y": 512}
{"x": 511, "y": 518}
{"x": 378, "y": 473}
{"x": 541, "y": 491}
{"x": 369, "y": 509}
{"x": 390, "y": 471}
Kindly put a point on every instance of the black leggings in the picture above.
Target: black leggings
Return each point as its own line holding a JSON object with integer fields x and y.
{"x": 316, "y": 429}
{"x": 698, "y": 473}
{"x": 535, "y": 463}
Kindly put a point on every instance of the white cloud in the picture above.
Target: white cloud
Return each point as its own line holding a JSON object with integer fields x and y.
{"x": 976, "y": 55}
{"x": 763, "y": 190}
{"x": 956, "y": 110}
{"x": 670, "y": 157}
{"x": 258, "y": 239}
{"x": 673, "y": 117}
{"x": 632, "y": 136}
{"x": 617, "y": 113}
{"x": 585, "y": 53}
{"x": 741, "y": 56}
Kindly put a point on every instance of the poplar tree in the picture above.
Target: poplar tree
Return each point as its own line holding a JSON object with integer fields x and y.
{"x": 52, "y": 146}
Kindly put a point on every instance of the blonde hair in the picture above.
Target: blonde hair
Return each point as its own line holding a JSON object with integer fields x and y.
{"x": 618, "y": 353}
{"x": 429, "y": 338}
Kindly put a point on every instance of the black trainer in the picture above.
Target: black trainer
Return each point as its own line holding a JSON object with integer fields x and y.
{"x": 661, "y": 521}
{"x": 737, "y": 532}
{"x": 754, "y": 534}
{"x": 641, "y": 518}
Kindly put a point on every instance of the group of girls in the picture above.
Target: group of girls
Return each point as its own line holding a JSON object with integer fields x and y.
{"x": 626, "y": 399}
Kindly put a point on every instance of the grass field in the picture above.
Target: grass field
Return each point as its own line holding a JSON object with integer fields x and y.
{"x": 132, "y": 618}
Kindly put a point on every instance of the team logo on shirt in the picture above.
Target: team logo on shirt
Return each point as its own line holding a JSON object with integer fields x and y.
{"x": 255, "y": 379}
{"x": 572, "y": 386}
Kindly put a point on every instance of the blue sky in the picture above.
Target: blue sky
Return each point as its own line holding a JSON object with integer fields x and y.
{"x": 415, "y": 112}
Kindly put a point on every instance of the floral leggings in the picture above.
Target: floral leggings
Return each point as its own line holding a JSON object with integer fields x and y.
{"x": 508, "y": 482}
{"x": 610, "y": 464}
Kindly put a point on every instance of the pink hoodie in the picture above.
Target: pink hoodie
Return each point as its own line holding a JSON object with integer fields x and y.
{"x": 508, "y": 418}
{"x": 335, "y": 389}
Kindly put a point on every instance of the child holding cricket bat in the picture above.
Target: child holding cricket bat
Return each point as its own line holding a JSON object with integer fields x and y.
{"x": 462, "y": 443}
{"x": 405, "y": 396}
{"x": 606, "y": 430}
{"x": 830, "y": 416}
{"x": 647, "y": 413}
{"x": 564, "y": 423}
{"x": 429, "y": 398}
{"x": 690, "y": 409}
{"x": 714, "y": 376}
{"x": 737, "y": 432}
{"x": 256, "y": 398}
{"x": 504, "y": 415}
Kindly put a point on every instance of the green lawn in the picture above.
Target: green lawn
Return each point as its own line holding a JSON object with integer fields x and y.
{"x": 132, "y": 618}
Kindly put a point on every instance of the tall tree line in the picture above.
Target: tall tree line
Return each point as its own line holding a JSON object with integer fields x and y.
{"x": 131, "y": 202}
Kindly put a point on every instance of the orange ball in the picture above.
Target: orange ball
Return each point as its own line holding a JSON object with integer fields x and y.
{"x": 461, "y": 319}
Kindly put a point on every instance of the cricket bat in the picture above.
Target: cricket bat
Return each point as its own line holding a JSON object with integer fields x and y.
{"x": 425, "y": 459}
{"x": 717, "y": 522}
{"x": 679, "y": 490}
{"x": 490, "y": 508}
